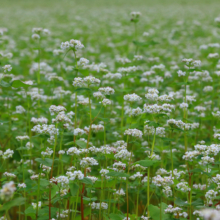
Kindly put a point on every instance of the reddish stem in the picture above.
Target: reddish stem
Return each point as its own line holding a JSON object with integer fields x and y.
{"x": 82, "y": 208}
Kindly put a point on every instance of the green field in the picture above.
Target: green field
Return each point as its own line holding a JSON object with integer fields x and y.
{"x": 109, "y": 110}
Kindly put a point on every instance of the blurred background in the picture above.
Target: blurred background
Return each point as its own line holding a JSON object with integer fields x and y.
{"x": 59, "y": 14}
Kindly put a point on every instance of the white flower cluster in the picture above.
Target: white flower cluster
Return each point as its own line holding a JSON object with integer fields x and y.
{"x": 210, "y": 195}
{"x": 162, "y": 181}
{"x": 167, "y": 191}
{"x": 206, "y": 160}
{"x": 98, "y": 206}
{"x": 181, "y": 73}
{"x": 7, "y": 191}
{"x": 63, "y": 117}
{"x": 78, "y": 132}
{"x": 7, "y": 154}
{"x": 75, "y": 175}
{"x": 132, "y": 112}
{"x": 150, "y": 130}
{"x": 120, "y": 192}
{"x": 21, "y": 138}
{"x": 134, "y": 133}
{"x": 122, "y": 60}
{"x": 175, "y": 211}
{"x": 128, "y": 69}
{"x": 103, "y": 172}
{"x": 88, "y": 161}
{"x": 72, "y": 44}
{"x": 7, "y": 68}
{"x": 19, "y": 109}
{"x": 106, "y": 102}
{"x": 93, "y": 178}
{"x": 183, "y": 186}
{"x": 106, "y": 90}
{"x": 46, "y": 129}
{"x": 86, "y": 82}
{"x": 56, "y": 109}
{"x": 83, "y": 62}
{"x": 158, "y": 109}
{"x": 73, "y": 151}
{"x": 22, "y": 185}
{"x": 123, "y": 154}
{"x": 132, "y": 97}
{"x": 209, "y": 214}
{"x": 63, "y": 181}
{"x": 191, "y": 155}
{"x": 47, "y": 152}
{"x": 35, "y": 205}
{"x": 97, "y": 128}
{"x": 136, "y": 175}
{"x": 10, "y": 175}
{"x": 113, "y": 76}
{"x": 135, "y": 14}
{"x": 181, "y": 124}
{"x": 41, "y": 120}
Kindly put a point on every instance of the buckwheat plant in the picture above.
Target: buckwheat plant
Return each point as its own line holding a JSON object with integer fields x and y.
{"x": 110, "y": 111}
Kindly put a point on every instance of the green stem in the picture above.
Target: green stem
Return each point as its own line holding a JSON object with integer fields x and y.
{"x": 38, "y": 191}
{"x": 137, "y": 201}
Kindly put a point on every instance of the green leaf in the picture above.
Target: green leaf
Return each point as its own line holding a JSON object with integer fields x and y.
{"x": 43, "y": 136}
{"x": 81, "y": 144}
{"x": 93, "y": 199}
{"x": 180, "y": 202}
{"x": 70, "y": 143}
{"x": 152, "y": 123}
{"x": 86, "y": 212}
{"x": 145, "y": 44}
{"x": 44, "y": 182}
{"x": 117, "y": 174}
{"x": 196, "y": 170}
{"x": 198, "y": 202}
{"x": 74, "y": 188}
{"x": 83, "y": 89}
{"x": 146, "y": 163}
{"x": 30, "y": 211}
{"x": 54, "y": 190}
{"x": 108, "y": 184}
{"x": 46, "y": 161}
{"x": 155, "y": 212}
{"x": 4, "y": 84}
{"x": 86, "y": 181}
{"x": 115, "y": 216}
{"x": 18, "y": 84}
{"x": 15, "y": 202}
{"x": 44, "y": 212}
{"x": 21, "y": 148}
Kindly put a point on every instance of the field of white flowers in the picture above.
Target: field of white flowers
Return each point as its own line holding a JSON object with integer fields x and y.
{"x": 109, "y": 110}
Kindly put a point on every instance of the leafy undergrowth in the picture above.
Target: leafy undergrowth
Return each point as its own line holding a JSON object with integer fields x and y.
{"x": 120, "y": 124}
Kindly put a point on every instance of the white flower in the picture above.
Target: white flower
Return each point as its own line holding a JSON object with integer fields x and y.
{"x": 106, "y": 90}
{"x": 35, "y": 205}
{"x": 132, "y": 97}
{"x": 181, "y": 73}
{"x": 183, "y": 186}
{"x": 21, "y": 185}
{"x": 78, "y": 132}
{"x": 72, "y": 44}
{"x": 7, "y": 191}
{"x": 134, "y": 132}
{"x": 106, "y": 102}
{"x": 88, "y": 161}
{"x": 7, "y": 68}
{"x": 120, "y": 192}
{"x": 7, "y": 154}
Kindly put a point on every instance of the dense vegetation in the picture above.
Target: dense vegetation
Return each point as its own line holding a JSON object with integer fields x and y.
{"x": 109, "y": 110}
